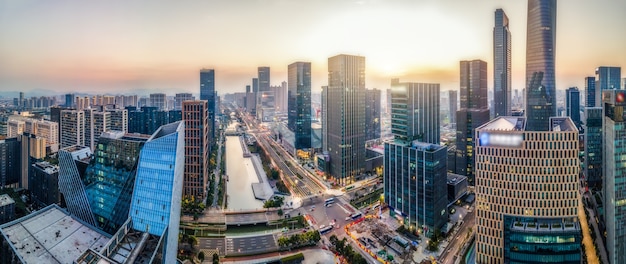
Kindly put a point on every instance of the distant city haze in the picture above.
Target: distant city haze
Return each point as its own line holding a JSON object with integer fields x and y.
{"x": 124, "y": 47}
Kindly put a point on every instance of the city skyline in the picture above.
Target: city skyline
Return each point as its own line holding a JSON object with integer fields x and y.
{"x": 160, "y": 46}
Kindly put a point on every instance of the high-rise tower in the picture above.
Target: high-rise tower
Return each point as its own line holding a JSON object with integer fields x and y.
{"x": 208, "y": 93}
{"x": 572, "y": 105}
{"x": 196, "y": 148}
{"x": 346, "y": 117}
{"x": 607, "y": 78}
{"x": 540, "y": 51}
{"x": 501, "y": 65}
{"x": 299, "y": 103}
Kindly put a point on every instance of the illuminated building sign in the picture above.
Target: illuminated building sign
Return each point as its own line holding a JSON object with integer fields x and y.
{"x": 501, "y": 140}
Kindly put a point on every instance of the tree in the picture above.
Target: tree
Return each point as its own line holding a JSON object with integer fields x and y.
{"x": 280, "y": 212}
{"x": 201, "y": 256}
{"x": 216, "y": 258}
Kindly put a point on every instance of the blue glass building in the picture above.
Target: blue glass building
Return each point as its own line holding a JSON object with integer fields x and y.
{"x": 540, "y": 50}
{"x": 590, "y": 92}
{"x": 299, "y": 103}
{"x": 208, "y": 93}
{"x": 148, "y": 119}
{"x": 501, "y": 64}
{"x": 614, "y": 167}
{"x": 543, "y": 241}
{"x": 155, "y": 206}
{"x": 572, "y": 105}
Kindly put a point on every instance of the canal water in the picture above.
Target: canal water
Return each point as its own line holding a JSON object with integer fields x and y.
{"x": 241, "y": 175}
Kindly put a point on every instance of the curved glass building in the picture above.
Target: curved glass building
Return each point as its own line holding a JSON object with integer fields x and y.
{"x": 540, "y": 50}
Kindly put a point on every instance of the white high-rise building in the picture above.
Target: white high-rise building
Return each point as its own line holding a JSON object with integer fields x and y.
{"x": 72, "y": 128}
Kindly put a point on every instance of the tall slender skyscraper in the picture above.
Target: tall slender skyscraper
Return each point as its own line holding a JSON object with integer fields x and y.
{"x": 501, "y": 65}
{"x": 540, "y": 50}
{"x": 372, "y": 114}
{"x": 208, "y": 93}
{"x": 590, "y": 91}
{"x": 614, "y": 167}
{"x": 593, "y": 146}
{"x": 572, "y": 105}
{"x": 454, "y": 102}
{"x": 265, "y": 96}
{"x": 346, "y": 117}
{"x": 415, "y": 112}
{"x": 473, "y": 113}
{"x": 299, "y": 103}
{"x": 196, "y": 148}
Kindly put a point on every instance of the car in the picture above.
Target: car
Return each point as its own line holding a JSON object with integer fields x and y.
{"x": 322, "y": 226}
{"x": 348, "y": 218}
{"x": 329, "y": 205}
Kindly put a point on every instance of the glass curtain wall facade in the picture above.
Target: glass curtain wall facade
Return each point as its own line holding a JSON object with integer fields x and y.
{"x": 590, "y": 92}
{"x": 572, "y": 105}
{"x": 540, "y": 50}
{"x": 372, "y": 114}
{"x": 415, "y": 112}
{"x": 110, "y": 178}
{"x": 71, "y": 184}
{"x": 415, "y": 184}
{"x": 299, "y": 103}
{"x": 593, "y": 146}
{"x": 155, "y": 206}
{"x": 614, "y": 142}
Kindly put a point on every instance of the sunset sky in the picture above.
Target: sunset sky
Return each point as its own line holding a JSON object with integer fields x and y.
{"x": 120, "y": 46}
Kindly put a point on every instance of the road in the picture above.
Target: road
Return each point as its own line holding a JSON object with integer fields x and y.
{"x": 240, "y": 245}
{"x": 217, "y": 170}
{"x": 456, "y": 243}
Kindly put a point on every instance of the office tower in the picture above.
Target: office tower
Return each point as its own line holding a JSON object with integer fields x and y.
{"x": 119, "y": 119}
{"x": 110, "y": 177}
{"x": 95, "y": 123}
{"x": 614, "y": 168}
{"x": 265, "y": 96}
{"x": 540, "y": 50}
{"x": 255, "y": 85}
{"x": 72, "y": 128}
{"x": 372, "y": 114}
{"x": 147, "y": 119}
{"x": 247, "y": 89}
{"x": 69, "y": 100}
{"x": 501, "y": 65}
{"x": 572, "y": 105}
{"x": 180, "y": 98}
{"x": 527, "y": 192}
{"x": 196, "y": 148}
{"x": 414, "y": 163}
{"x": 255, "y": 90}
{"x": 44, "y": 184}
{"x": 593, "y": 146}
{"x": 155, "y": 208}
{"x": 299, "y": 103}
{"x": 590, "y": 91}
{"x": 208, "y": 93}
{"x": 607, "y": 78}
{"x": 473, "y": 113}
{"x": 10, "y": 162}
{"x": 71, "y": 184}
{"x": 324, "y": 117}
{"x": 281, "y": 97}
{"x": 415, "y": 112}
{"x": 454, "y": 102}
{"x": 345, "y": 118}
{"x": 264, "y": 78}
{"x": 159, "y": 101}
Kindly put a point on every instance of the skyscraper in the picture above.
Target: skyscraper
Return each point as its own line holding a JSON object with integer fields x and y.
{"x": 454, "y": 102}
{"x": 155, "y": 206}
{"x": 415, "y": 112}
{"x": 414, "y": 162}
{"x": 473, "y": 113}
{"x": 593, "y": 146}
{"x": 614, "y": 167}
{"x": 572, "y": 105}
{"x": 96, "y": 122}
{"x": 299, "y": 103}
{"x": 346, "y": 117}
{"x": 590, "y": 91}
{"x": 179, "y": 98}
{"x": 72, "y": 128}
{"x": 265, "y": 96}
{"x": 527, "y": 194}
{"x": 159, "y": 101}
{"x": 69, "y": 100}
{"x": 70, "y": 183}
{"x": 196, "y": 148}
{"x": 372, "y": 114}
{"x": 264, "y": 78}
{"x": 607, "y": 78}
{"x": 208, "y": 93}
{"x": 540, "y": 50}
{"x": 501, "y": 65}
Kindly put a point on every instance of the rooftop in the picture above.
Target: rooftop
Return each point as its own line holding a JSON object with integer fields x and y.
{"x": 51, "y": 235}
{"x": 47, "y": 167}
{"x": 562, "y": 124}
{"x": 455, "y": 178}
{"x": 505, "y": 123}
{"x": 5, "y": 199}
